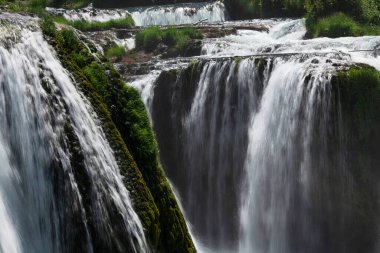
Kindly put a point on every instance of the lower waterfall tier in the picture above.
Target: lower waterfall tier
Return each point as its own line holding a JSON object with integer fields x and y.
{"x": 273, "y": 155}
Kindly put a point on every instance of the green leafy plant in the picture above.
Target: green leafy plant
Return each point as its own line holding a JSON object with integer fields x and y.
{"x": 122, "y": 23}
{"x": 115, "y": 52}
{"x": 151, "y": 37}
{"x": 339, "y": 25}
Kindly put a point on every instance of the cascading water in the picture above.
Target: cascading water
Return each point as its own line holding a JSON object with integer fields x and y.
{"x": 180, "y": 14}
{"x": 256, "y": 145}
{"x": 161, "y": 15}
{"x": 60, "y": 185}
{"x": 290, "y": 153}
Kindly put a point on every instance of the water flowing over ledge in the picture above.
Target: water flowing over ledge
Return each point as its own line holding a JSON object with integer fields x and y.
{"x": 157, "y": 15}
{"x": 255, "y": 137}
{"x": 61, "y": 188}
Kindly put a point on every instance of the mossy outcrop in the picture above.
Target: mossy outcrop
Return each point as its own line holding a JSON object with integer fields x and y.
{"x": 358, "y": 92}
{"x": 126, "y": 124}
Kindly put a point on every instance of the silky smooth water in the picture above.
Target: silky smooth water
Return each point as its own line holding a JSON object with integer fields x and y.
{"x": 48, "y": 202}
{"x": 178, "y": 14}
{"x": 249, "y": 141}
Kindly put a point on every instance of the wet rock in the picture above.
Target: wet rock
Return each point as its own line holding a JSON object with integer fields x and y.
{"x": 194, "y": 49}
{"x": 315, "y": 61}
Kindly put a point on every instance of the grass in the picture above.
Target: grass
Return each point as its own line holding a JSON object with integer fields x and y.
{"x": 339, "y": 25}
{"x": 122, "y": 23}
{"x": 151, "y": 37}
{"x": 32, "y": 6}
{"x": 115, "y": 52}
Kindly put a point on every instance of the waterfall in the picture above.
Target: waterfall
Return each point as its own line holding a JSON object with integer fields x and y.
{"x": 294, "y": 140}
{"x": 257, "y": 146}
{"x": 60, "y": 186}
{"x": 178, "y": 14}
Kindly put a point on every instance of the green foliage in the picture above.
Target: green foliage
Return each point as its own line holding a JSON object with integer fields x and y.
{"x": 115, "y": 52}
{"x": 265, "y": 8}
{"x": 151, "y": 37}
{"x": 47, "y": 25}
{"x": 360, "y": 88}
{"x": 339, "y": 25}
{"x": 32, "y": 6}
{"x": 75, "y": 4}
{"x": 121, "y": 23}
{"x": 365, "y": 11}
{"x": 370, "y": 11}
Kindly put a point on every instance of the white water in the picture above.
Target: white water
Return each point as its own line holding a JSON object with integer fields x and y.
{"x": 158, "y": 15}
{"x": 180, "y": 14}
{"x": 37, "y": 97}
{"x": 145, "y": 85}
{"x": 286, "y": 36}
{"x": 279, "y": 172}
{"x": 281, "y": 169}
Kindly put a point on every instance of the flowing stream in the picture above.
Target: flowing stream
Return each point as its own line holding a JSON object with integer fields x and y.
{"x": 46, "y": 203}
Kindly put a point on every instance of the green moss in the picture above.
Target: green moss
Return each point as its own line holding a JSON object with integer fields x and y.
{"x": 127, "y": 127}
{"x": 357, "y": 91}
{"x": 360, "y": 95}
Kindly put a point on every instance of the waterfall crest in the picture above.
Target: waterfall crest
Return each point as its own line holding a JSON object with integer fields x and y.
{"x": 178, "y": 14}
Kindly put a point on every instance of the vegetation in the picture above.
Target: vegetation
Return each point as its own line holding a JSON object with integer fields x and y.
{"x": 121, "y": 23}
{"x": 358, "y": 92}
{"x": 362, "y": 10}
{"x": 362, "y": 17}
{"x": 115, "y": 52}
{"x": 127, "y": 127}
{"x": 33, "y": 6}
{"x": 151, "y": 37}
{"x": 361, "y": 97}
{"x": 339, "y": 25}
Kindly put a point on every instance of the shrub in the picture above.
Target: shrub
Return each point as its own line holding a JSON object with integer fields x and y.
{"x": 121, "y": 23}
{"x": 116, "y": 51}
{"x": 149, "y": 38}
{"x": 170, "y": 36}
{"x": 152, "y": 37}
{"x": 339, "y": 25}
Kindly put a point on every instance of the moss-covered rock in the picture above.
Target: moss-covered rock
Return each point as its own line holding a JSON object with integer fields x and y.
{"x": 358, "y": 92}
{"x": 127, "y": 127}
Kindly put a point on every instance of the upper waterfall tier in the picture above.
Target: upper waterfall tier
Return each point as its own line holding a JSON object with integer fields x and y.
{"x": 156, "y": 15}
